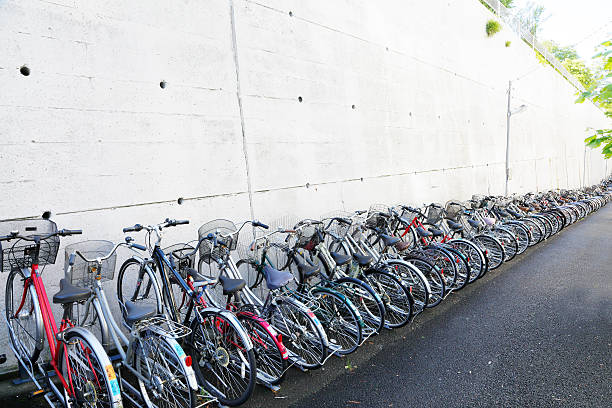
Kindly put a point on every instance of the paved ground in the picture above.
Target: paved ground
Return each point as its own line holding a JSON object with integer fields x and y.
{"x": 536, "y": 332}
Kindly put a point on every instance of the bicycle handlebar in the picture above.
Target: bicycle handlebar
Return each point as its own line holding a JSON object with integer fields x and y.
{"x": 62, "y": 233}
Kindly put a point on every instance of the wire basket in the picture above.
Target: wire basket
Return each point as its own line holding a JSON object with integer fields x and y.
{"x": 163, "y": 326}
{"x": 84, "y": 273}
{"x": 454, "y": 209}
{"x": 225, "y": 230}
{"x": 18, "y": 254}
{"x": 183, "y": 257}
{"x": 307, "y": 236}
{"x": 435, "y": 213}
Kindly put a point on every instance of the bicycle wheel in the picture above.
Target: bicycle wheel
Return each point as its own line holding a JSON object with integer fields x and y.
{"x": 521, "y": 233}
{"x": 88, "y": 371}
{"x": 270, "y": 358}
{"x": 139, "y": 285}
{"x": 474, "y": 257}
{"x": 508, "y": 241}
{"x": 396, "y": 297}
{"x": 303, "y": 334}
{"x": 413, "y": 279}
{"x": 23, "y": 316}
{"x": 165, "y": 364}
{"x": 492, "y": 248}
{"x": 444, "y": 261}
{"x": 370, "y": 305}
{"x": 340, "y": 319}
{"x": 225, "y": 362}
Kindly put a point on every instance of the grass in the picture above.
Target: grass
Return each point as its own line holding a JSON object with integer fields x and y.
{"x": 492, "y": 27}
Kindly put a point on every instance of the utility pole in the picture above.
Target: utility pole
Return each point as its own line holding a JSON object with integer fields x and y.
{"x": 508, "y": 114}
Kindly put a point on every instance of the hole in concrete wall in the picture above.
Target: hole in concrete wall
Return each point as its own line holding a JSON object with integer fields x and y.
{"x": 163, "y": 84}
{"x": 300, "y": 99}
{"x": 387, "y": 48}
{"x": 353, "y": 106}
{"x": 46, "y": 215}
{"x": 180, "y": 200}
{"x": 25, "y": 71}
{"x": 410, "y": 114}
{"x": 438, "y": 116}
{"x": 361, "y": 179}
{"x": 307, "y": 185}
{"x": 291, "y": 14}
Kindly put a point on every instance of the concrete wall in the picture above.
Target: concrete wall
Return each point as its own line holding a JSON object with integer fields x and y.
{"x": 400, "y": 101}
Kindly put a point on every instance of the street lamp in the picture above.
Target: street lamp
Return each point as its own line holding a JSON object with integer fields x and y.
{"x": 509, "y": 113}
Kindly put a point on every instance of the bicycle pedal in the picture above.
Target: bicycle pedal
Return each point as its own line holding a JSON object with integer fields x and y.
{"x": 36, "y": 393}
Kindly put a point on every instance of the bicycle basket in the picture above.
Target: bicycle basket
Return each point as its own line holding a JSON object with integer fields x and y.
{"x": 84, "y": 273}
{"x": 307, "y": 236}
{"x": 181, "y": 255}
{"x": 377, "y": 220}
{"x": 453, "y": 210}
{"x": 226, "y": 231}
{"x": 17, "y": 254}
{"x": 434, "y": 214}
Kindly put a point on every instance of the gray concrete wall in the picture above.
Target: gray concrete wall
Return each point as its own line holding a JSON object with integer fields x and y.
{"x": 401, "y": 101}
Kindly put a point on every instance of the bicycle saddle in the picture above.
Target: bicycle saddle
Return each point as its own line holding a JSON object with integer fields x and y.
{"x": 389, "y": 240}
{"x": 402, "y": 246}
{"x": 362, "y": 260}
{"x": 436, "y": 232}
{"x": 489, "y": 220}
{"x": 306, "y": 270}
{"x": 514, "y": 213}
{"x": 70, "y": 294}
{"x": 455, "y": 226}
{"x": 136, "y": 313}
{"x": 340, "y": 259}
{"x": 231, "y": 285}
{"x": 422, "y": 233}
{"x": 276, "y": 279}
{"x": 474, "y": 223}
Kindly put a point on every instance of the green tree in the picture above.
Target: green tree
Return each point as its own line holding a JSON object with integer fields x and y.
{"x": 570, "y": 60}
{"x": 600, "y": 92}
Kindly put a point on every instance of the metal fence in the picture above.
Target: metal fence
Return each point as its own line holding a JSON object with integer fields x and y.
{"x": 515, "y": 22}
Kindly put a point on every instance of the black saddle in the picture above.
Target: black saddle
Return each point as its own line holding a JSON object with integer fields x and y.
{"x": 231, "y": 285}
{"x": 70, "y": 294}
{"x": 514, "y": 213}
{"x": 136, "y": 313}
{"x": 436, "y": 232}
{"x": 306, "y": 270}
{"x": 389, "y": 240}
{"x": 422, "y": 233}
{"x": 340, "y": 259}
{"x": 474, "y": 223}
{"x": 455, "y": 226}
{"x": 362, "y": 260}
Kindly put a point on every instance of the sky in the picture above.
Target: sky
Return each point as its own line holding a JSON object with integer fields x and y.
{"x": 582, "y": 23}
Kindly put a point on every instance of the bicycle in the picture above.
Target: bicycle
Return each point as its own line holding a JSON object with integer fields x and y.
{"x": 223, "y": 352}
{"x": 162, "y": 369}
{"x": 302, "y": 332}
{"x": 85, "y": 373}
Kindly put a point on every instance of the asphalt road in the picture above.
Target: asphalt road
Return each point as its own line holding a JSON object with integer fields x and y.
{"x": 537, "y": 332}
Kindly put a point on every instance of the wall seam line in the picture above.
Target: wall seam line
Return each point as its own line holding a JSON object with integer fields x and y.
{"x": 240, "y": 108}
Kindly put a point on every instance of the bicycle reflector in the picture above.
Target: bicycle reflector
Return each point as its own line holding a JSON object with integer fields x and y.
{"x": 188, "y": 361}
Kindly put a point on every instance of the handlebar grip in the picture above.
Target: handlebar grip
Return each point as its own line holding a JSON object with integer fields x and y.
{"x": 138, "y": 246}
{"x": 343, "y": 221}
{"x": 135, "y": 228}
{"x": 181, "y": 222}
{"x": 71, "y": 259}
{"x": 71, "y": 232}
{"x": 260, "y": 224}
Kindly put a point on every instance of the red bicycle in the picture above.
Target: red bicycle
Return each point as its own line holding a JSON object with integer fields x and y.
{"x": 84, "y": 371}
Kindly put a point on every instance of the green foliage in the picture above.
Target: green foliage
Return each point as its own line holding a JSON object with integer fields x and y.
{"x": 600, "y": 92}
{"x": 508, "y": 43}
{"x": 507, "y": 3}
{"x": 492, "y": 27}
{"x": 562, "y": 53}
